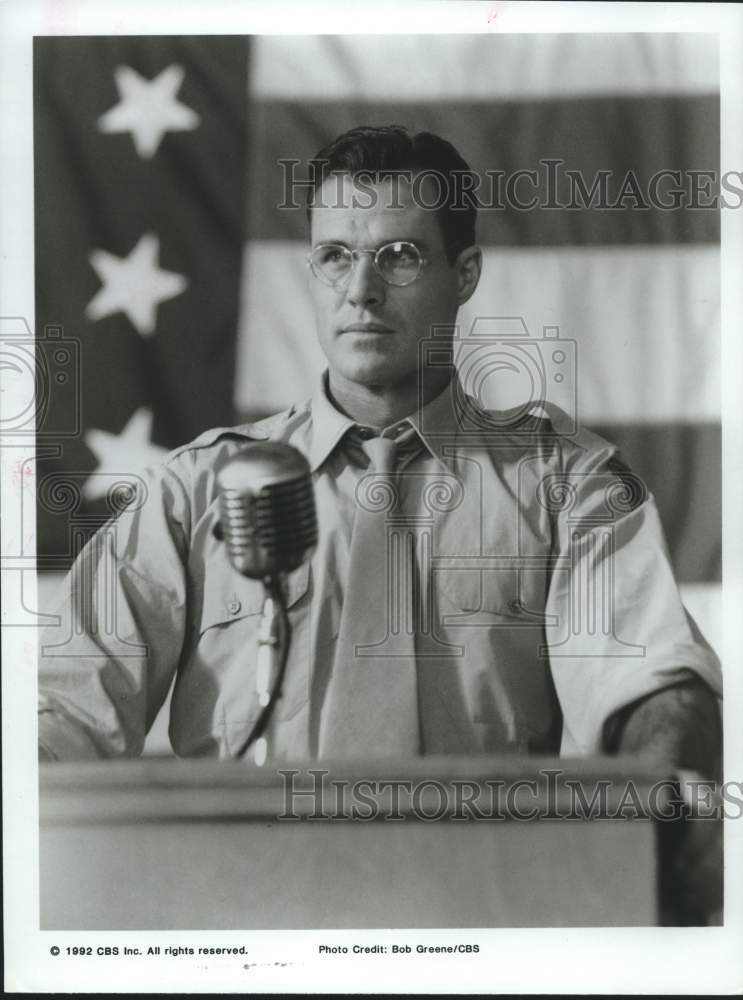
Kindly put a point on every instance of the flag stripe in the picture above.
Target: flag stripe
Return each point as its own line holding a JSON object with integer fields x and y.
{"x": 589, "y": 135}
{"x": 483, "y": 67}
{"x": 629, "y": 312}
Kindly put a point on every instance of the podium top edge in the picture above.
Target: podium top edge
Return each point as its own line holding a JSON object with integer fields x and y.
{"x": 191, "y": 773}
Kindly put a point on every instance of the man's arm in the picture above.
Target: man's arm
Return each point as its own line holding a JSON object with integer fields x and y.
{"x": 678, "y": 725}
{"x": 615, "y": 569}
{"x": 681, "y": 726}
{"x": 105, "y": 669}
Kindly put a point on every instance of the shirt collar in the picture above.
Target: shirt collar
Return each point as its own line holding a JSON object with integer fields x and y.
{"x": 328, "y": 425}
{"x": 435, "y": 423}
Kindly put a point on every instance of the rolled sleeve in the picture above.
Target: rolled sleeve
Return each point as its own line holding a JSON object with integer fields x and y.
{"x": 621, "y": 629}
{"x": 106, "y": 667}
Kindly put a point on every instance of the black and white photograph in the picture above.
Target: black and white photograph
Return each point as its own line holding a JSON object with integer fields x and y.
{"x": 371, "y": 454}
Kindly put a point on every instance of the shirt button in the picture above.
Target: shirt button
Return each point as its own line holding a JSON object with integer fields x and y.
{"x": 234, "y": 607}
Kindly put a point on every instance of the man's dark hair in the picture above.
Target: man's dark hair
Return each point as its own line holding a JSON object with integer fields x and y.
{"x": 378, "y": 152}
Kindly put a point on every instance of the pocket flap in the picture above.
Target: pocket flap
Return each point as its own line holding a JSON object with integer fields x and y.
{"x": 228, "y": 596}
{"x": 473, "y": 591}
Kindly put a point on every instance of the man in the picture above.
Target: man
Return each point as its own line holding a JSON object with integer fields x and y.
{"x": 487, "y": 564}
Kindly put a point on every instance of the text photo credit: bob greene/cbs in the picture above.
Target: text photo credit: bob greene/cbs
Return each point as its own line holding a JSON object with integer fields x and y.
{"x": 371, "y": 463}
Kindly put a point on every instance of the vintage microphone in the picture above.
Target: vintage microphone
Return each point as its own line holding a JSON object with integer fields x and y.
{"x": 268, "y": 522}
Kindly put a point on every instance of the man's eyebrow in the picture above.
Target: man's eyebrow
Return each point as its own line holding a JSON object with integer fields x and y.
{"x": 421, "y": 244}
{"x": 330, "y": 243}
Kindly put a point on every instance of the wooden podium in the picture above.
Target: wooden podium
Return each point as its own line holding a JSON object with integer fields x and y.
{"x": 481, "y": 842}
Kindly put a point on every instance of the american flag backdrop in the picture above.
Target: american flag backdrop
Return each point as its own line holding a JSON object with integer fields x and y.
{"x": 162, "y": 249}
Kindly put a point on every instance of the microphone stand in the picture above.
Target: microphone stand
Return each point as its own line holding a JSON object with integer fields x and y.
{"x": 274, "y": 638}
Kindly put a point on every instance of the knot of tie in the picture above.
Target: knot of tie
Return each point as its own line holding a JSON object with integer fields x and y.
{"x": 378, "y": 491}
{"x": 382, "y": 454}
{"x": 385, "y": 450}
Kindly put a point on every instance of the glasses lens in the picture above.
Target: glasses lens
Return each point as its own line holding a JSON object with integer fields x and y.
{"x": 399, "y": 263}
{"x": 331, "y": 263}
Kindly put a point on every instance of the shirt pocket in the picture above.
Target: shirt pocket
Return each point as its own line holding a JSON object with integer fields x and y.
{"x": 488, "y": 598}
{"x": 498, "y": 617}
{"x": 227, "y": 644}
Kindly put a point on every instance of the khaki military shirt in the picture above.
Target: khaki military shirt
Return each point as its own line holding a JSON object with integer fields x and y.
{"x": 549, "y": 594}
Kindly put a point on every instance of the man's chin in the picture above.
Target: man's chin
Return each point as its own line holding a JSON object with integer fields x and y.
{"x": 367, "y": 364}
{"x": 373, "y": 372}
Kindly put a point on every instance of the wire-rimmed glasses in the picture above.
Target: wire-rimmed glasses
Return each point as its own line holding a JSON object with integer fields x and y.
{"x": 398, "y": 263}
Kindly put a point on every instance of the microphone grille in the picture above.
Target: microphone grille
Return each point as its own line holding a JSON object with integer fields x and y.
{"x": 267, "y": 509}
{"x": 286, "y": 522}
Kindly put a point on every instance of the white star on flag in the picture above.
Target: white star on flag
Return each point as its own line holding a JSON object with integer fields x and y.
{"x": 134, "y": 285}
{"x": 148, "y": 108}
{"x": 121, "y": 455}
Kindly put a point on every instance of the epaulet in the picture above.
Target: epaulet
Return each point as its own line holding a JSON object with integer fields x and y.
{"x": 538, "y": 420}
{"x": 259, "y": 430}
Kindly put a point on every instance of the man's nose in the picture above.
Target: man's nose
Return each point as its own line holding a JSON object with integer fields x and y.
{"x": 365, "y": 286}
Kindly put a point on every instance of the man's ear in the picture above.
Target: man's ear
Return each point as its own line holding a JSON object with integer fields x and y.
{"x": 468, "y": 266}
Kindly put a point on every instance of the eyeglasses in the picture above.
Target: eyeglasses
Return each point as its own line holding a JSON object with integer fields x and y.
{"x": 398, "y": 263}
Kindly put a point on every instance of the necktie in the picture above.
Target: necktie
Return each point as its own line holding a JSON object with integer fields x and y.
{"x": 371, "y": 706}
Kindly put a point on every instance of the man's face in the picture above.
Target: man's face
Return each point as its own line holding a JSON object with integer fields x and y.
{"x": 369, "y": 330}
